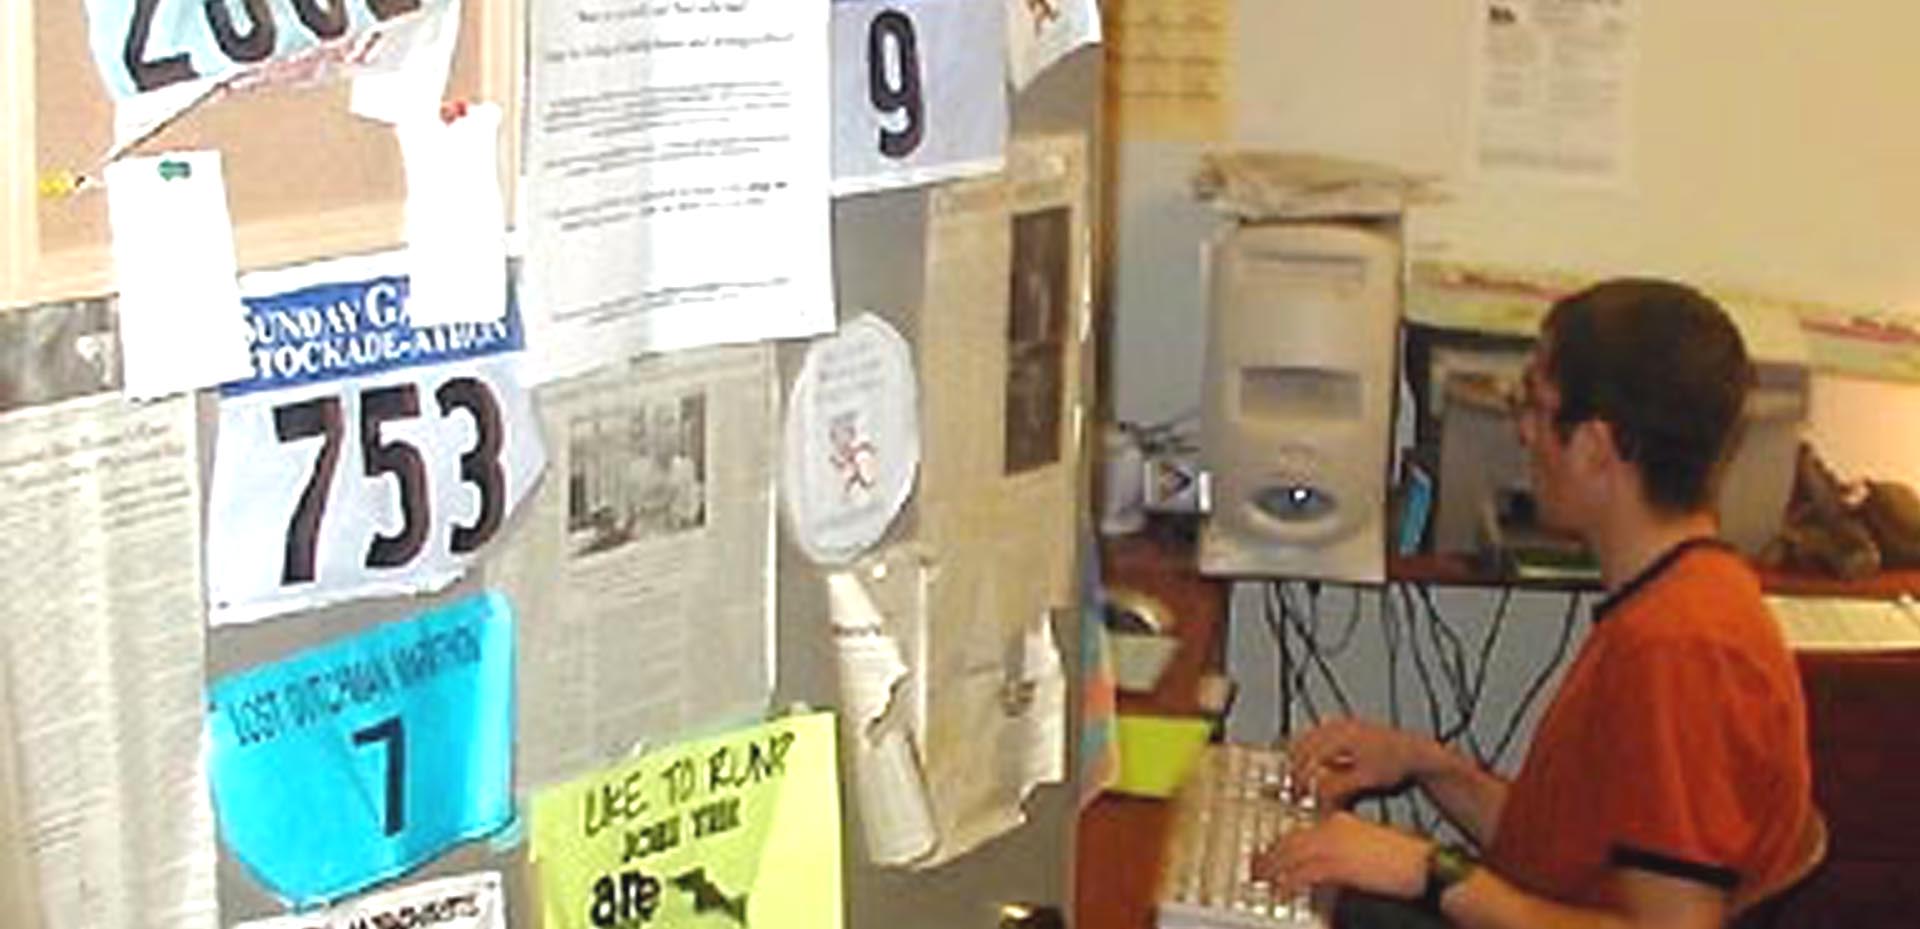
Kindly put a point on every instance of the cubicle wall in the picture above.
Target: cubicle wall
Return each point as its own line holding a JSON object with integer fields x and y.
{"x": 880, "y": 265}
{"x": 56, "y": 246}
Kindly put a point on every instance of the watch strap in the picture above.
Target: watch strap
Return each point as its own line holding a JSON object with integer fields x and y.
{"x": 1448, "y": 863}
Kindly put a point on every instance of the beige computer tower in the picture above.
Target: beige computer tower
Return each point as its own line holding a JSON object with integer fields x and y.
{"x": 1298, "y": 400}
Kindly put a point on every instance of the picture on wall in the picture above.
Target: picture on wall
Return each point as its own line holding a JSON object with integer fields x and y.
{"x": 636, "y": 473}
{"x": 1036, "y": 338}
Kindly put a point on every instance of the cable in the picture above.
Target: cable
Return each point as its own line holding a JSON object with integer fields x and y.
{"x": 1290, "y": 619}
{"x": 1390, "y": 633}
{"x": 1346, "y": 635}
{"x": 1453, "y": 672}
{"x": 1319, "y": 659}
{"x": 1270, "y": 614}
{"x": 1539, "y": 679}
{"x": 1415, "y": 813}
{"x": 1420, "y": 669}
{"x": 1494, "y": 627}
{"x": 1466, "y": 693}
{"x": 1438, "y": 627}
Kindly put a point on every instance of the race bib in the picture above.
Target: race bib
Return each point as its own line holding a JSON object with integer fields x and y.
{"x": 141, "y": 46}
{"x": 919, "y": 92}
{"x": 365, "y": 456}
{"x": 354, "y": 761}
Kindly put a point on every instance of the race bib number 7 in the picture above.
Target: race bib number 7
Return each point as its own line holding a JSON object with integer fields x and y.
{"x": 365, "y": 456}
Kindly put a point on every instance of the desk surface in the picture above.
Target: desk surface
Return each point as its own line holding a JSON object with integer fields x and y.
{"x": 1121, "y": 840}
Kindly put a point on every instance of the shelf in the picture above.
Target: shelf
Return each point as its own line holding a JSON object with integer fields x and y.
{"x": 1461, "y": 571}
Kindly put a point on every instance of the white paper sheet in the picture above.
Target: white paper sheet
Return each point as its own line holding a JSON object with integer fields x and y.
{"x": 136, "y": 118}
{"x": 100, "y": 630}
{"x": 413, "y": 87}
{"x": 1840, "y": 624}
{"x": 1169, "y": 69}
{"x": 1041, "y": 32}
{"x": 677, "y": 168}
{"x": 878, "y": 690}
{"x": 643, "y": 572}
{"x": 853, "y": 440}
{"x": 1554, "y": 99}
{"x": 180, "y": 316}
{"x": 467, "y": 901}
{"x": 918, "y": 92}
{"x": 1044, "y": 725}
{"x": 456, "y": 224}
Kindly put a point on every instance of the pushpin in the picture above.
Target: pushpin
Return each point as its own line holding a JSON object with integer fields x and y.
{"x": 171, "y": 170}
{"x": 59, "y": 183}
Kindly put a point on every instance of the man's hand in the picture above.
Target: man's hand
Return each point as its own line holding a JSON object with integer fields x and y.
{"x": 1342, "y": 757}
{"x": 1346, "y": 851}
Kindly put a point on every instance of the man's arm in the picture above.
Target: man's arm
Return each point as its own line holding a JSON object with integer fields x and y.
{"x": 1470, "y": 796}
{"x": 1647, "y": 901}
{"x": 1346, "y": 851}
{"x": 1345, "y": 757}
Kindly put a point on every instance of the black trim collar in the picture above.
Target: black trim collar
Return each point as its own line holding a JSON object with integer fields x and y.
{"x": 1627, "y": 856}
{"x": 1649, "y": 573}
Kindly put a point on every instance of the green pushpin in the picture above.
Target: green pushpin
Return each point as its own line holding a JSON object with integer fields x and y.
{"x": 171, "y": 170}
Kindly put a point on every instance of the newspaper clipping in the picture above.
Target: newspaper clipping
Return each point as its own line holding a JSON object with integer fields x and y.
{"x": 643, "y": 573}
{"x": 102, "y": 636}
{"x": 997, "y": 517}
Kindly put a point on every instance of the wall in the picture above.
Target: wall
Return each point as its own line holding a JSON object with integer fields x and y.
{"x": 1772, "y": 149}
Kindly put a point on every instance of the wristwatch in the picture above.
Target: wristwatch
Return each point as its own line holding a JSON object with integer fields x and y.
{"x": 1448, "y": 864}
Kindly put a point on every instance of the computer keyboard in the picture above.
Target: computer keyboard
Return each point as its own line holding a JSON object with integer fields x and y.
{"x": 1235, "y": 803}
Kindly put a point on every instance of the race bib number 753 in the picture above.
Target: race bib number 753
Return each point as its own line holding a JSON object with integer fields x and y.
{"x": 364, "y": 456}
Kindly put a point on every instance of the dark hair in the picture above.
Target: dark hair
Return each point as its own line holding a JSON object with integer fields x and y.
{"x": 1662, "y": 365}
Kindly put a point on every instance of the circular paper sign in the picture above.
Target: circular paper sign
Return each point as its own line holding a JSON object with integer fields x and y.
{"x": 852, "y": 440}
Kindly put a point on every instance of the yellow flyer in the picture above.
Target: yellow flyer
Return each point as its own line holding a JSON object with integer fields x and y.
{"x": 739, "y": 830}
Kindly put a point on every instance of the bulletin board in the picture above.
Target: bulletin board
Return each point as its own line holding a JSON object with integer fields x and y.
{"x": 305, "y": 177}
{"x": 307, "y": 180}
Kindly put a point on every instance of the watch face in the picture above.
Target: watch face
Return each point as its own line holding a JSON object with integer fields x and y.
{"x": 1450, "y": 864}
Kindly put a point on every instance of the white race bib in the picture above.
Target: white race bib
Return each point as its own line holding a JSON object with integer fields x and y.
{"x": 919, "y": 92}
{"x": 364, "y": 456}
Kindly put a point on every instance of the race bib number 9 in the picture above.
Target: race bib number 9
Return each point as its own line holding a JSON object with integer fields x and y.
{"x": 365, "y": 456}
{"x": 919, "y": 92}
{"x": 144, "y": 45}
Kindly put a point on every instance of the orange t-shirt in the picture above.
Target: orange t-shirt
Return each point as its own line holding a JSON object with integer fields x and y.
{"x": 1677, "y": 742}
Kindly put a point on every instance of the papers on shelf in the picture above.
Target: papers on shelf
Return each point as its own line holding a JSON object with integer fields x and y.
{"x": 1843, "y": 624}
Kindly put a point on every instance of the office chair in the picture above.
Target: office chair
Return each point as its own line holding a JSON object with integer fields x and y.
{"x": 1760, "y": 907}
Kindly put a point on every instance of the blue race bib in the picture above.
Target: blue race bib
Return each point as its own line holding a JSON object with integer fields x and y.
{"x": 352, "y": 762}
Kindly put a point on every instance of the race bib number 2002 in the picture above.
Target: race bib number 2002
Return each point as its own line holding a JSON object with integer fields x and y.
{"x": 364, "y": 456}
{"x": 145, "y": 45}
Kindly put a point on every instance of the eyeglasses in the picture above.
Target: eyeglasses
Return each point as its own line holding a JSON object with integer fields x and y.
{"x": 1522, "y": 401}
{"x": 1526, "y": 405}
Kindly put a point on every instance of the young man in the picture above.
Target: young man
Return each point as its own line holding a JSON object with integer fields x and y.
{"x": 1670, "y": 776}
